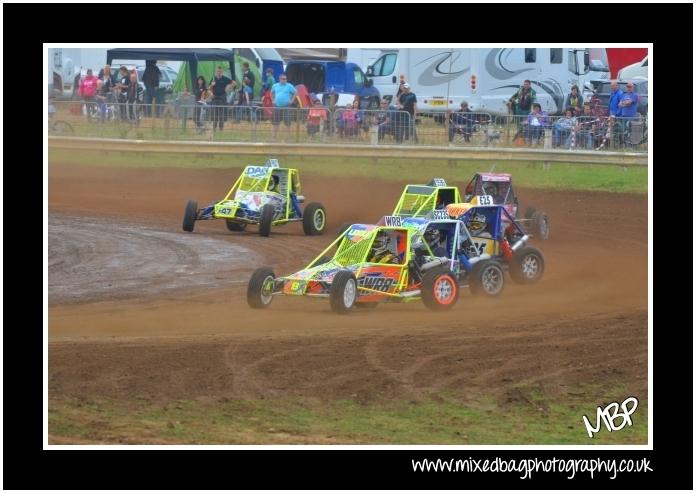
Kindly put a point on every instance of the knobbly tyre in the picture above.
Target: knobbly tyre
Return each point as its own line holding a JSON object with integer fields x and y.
{"x": 265, "y": 195}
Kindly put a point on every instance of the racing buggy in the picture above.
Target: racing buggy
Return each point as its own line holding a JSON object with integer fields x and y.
{"x": 422, "y": 200}
{"x": 496, "y": 189}
{"x": 366, "y": 265}
{"x": 392, "y": 262}
{"x": 265, "y": 195}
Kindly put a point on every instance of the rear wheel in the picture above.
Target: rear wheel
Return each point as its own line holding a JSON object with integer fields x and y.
{"x": 190, "y": 215}
{"x": 233, "y": 226}
{"x": 314, "y": 219}
{"x": 540, "y": 225}
{"x": 488, "y": 278}
{"x": 343, "y": 292}
{"x": 527, "y": 265}
{"x": 267, "y": 214}
{"x": 440, "y": 289}
{"x": 260, "y": 288}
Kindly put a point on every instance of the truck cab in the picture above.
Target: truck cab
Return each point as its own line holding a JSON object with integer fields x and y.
{"x": 323, "y": 77}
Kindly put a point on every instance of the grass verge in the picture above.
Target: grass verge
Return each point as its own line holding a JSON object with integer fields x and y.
{"x": 522, "y": 416}
{"x": 526, "y": 174}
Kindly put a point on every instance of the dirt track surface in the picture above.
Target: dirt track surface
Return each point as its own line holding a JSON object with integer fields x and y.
{"x": 97, "y": 259}
{"x": 585, "y": 322}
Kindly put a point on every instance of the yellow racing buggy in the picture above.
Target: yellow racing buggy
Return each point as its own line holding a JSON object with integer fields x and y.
{"x": 266, "y": 195}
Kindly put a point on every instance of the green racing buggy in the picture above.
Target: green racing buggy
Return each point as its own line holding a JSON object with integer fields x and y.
{"x": 265, "y": 195}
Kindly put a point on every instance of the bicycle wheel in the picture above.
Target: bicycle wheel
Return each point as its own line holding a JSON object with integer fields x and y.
{"x": 61, "y": 127}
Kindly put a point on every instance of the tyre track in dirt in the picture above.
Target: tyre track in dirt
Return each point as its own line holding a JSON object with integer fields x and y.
{"x": 585, "y": 322}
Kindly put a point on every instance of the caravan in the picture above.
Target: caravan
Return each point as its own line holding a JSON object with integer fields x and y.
{"x": 442, "y": 78}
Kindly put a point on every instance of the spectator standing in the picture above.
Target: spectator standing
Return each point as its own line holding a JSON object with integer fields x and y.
{"x": 282, "y": 93}
{"x": 628, "y": 104}
{"x": 133, "y": 96}
{"x": 122, "y": 87}
{"x": 202, "y": 96}
{"x": 246, "y": 72}
{"x": 521, "y": 101}
{"x": 270, "y": 80}
{"x": 246, "y": 96}
{"x": 400, "y": 91}
{"x": 614, "y": 98}
{"x": 88, "y": 91}
{"x": 219, "y": 86}
{"x": 408, "y": 102}
{"x": 151, "y": 80}
{"x": 628, "y": 107}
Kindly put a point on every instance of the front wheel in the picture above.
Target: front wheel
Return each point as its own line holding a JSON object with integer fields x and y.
{"x": 190, "y": 215}
{"x": 440, "y": 289}
{"x": 314, "y": 219}
{"x": 487, "y": 277}
{"x": 260, "y": 288}
{"x": 233, "y": 226}
{"x": 343, "y": 292}
{"x": 267, "y": 215}
{"x": 540, "y": 225}
{"x": 527, "y": 265}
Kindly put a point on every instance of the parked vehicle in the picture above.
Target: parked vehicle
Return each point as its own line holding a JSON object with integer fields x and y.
{"x": 634, "y": 70}
{"x": 442, "y": 78}
{"x": 323, "y": 78}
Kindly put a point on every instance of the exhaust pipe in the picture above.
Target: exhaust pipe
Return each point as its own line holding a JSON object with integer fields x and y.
{"x": 434, "y": 263}
{"x": 520, "y": 243}
{"x": 484, "y": 256}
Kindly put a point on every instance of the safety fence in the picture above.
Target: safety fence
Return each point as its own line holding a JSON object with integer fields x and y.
{"x": 186, "y": 119}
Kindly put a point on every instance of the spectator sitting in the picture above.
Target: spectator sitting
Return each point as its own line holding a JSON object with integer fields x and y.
{"x": 536, "y": 121}
{"x": 562, "y": 129}
{"x": 574, "y": 100}
{"x": 315, "y": 116}
{"x": 350, "y": 119}
{"x": 384, "y": 119}
{"x": 591, "y": 127}
{"x": 461, "y": 123}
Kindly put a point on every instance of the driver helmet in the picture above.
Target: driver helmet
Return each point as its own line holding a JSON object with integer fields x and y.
{"x": 432, "y": 236}
{"x": 490, "y": 189}
{"x": 273, "y": 183}
{"x": 381, "y": 243}
{"x": 476, "y": 223}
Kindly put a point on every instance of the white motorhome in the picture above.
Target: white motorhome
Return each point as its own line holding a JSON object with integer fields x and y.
{"x": 639, "y": 69}
{"x": 486, "y": 78}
